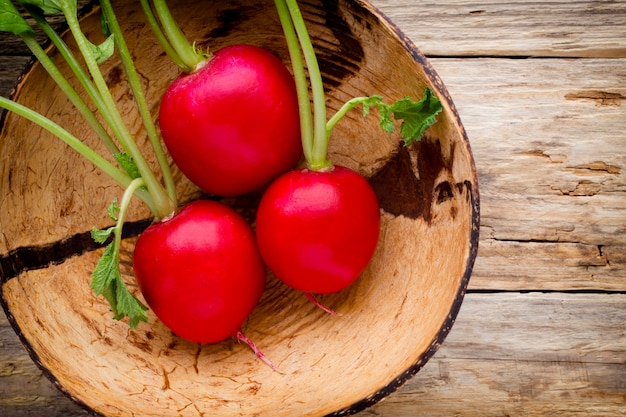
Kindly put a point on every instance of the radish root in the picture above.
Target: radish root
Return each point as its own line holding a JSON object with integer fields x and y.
{"x": 315, "y": 301}
{"x": 243, "y": 338}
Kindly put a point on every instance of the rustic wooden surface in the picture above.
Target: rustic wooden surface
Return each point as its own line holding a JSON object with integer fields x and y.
{"x": 541, "y": 89}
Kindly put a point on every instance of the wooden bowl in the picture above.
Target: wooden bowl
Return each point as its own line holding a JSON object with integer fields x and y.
{"x": 390, "y": 322}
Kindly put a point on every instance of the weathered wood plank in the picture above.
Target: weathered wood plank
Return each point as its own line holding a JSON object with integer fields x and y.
{"x": 508, "y": 354}
{"x": 548, "y": 266}
{"x": 548, "y": 140}
{"x": 484, "y": 388}
{"x": 519, "y": 28}
{"x": 524, "y": 354}
{"x": 496, "y": 28}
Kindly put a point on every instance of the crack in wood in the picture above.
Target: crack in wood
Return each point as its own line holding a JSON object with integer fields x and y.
{"x": 596, "y": 167}
{"x": 37, "y": 257}
{"x": 601, "y": 98}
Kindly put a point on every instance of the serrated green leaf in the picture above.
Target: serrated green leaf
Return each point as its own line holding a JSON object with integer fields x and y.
{"x": 129, "y": 305}
{"x": 113, "y": 210}
{"x": 386, "y": 123}
{"x": 106, "y": 271}
{"x": 11, "y": 20}
{"x": 106, "y": 280}
{"x": 416, "y": 117}
{"x": 369, "y": 102}
{"x": 101, "y": 235}
{"x": 109, "y": 294}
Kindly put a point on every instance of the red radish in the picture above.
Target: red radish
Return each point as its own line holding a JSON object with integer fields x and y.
{"x": 200, "y": 271}
{"x": 317, "y": 231}
{"x": 317, "y": 228}
{"x": 232, "y": 126}
{"x": 230, "y": 120}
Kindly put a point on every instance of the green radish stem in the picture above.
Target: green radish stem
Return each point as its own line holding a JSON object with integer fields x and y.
{"x": 65, "y": 86}
{"x": 174, "y": 37}
{"x": 299, "y": 74}
{"x": 416, "y": 117}
{"x": 108, "y": 168}
{"x": 134, "y": 186}
{"x": 126, "y": 304}
{"x": 140, "y": 99}
{"x": 347, "y": 106}
{"x": 161, "y": 38}
{"x": 106, "y": 278}
{"x": 318, "y": 160}
{"x": 162, "y": 203}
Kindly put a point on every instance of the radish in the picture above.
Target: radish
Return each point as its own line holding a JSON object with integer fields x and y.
{"x": 317, "y": 227}
{"x": 197, "y": 267}
{"x": 317, "y": 230}
{"x": 232, "y": 125}
{"x": 200, "y": 272}
{"x": 230, "y": 120}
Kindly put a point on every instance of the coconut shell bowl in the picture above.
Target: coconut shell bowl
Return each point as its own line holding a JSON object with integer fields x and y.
{"x": 389, "y": 322}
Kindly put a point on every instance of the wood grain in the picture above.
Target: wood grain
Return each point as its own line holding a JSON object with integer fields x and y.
{"x": 548, "y": 138}
{"x": 552, "y": 169}
{"x": 520, "y": 28}
{"x": 529, "y": 354}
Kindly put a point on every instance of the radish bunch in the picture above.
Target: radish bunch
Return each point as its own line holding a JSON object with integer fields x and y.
{"x": 235, "y": 121}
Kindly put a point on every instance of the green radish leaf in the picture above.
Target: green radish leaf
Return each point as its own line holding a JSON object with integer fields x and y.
{"x": 106, "y": 272}
{"x": 101, "y": 235}
{"x": 386, "y": 122}
{"x": 113, "y": 210}
{"x": 416, "y": 117}
{"x": 128, "y": 164}
{"x": 106, "y": 280}
{"x": 47, "y": 6}
{"x": 100, "y": 52}
{"x": 11, "y": 20}
{"x": 103, "y": 51}
{"x": 129, "y": 305}
{"x": 369, "y": 102}
{"x": 109, "y": 294}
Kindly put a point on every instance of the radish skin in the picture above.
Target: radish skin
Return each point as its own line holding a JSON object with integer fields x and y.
{"x": 318, "y": 230}
{"x": 200, "y": 271}
{"x": 232, "y": 126}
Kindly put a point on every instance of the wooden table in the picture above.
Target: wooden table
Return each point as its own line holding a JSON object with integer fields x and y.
{"x": 541, "y": 89}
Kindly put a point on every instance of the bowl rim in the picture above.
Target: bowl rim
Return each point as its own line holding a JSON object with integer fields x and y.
{"x": 449, "y": 321}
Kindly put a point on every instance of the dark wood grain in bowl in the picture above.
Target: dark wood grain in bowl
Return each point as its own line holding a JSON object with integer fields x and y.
{"x": 390, "y": 322}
